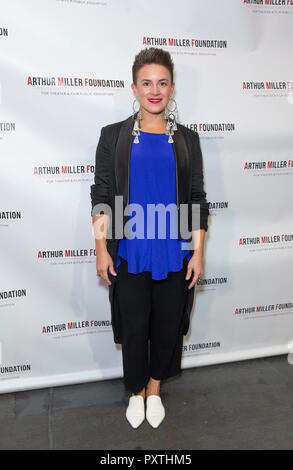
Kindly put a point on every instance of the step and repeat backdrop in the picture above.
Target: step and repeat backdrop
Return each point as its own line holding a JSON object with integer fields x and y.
{"x": 65, "y": 72}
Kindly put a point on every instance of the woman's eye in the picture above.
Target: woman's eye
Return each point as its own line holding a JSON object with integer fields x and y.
{"x": 147, "y": 84}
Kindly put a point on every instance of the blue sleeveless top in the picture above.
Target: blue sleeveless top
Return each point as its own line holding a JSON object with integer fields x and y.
{"x": 153, "y": 181}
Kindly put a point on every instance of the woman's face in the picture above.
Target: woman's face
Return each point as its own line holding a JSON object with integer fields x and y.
{"x": 153, "y": 88}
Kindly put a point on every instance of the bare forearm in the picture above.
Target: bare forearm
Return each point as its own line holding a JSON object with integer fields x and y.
{"x": 100, "y": 224}
{"x": 198, "y": 237}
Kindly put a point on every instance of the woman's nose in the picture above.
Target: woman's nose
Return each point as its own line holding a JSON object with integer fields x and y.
{"x": 155, "y": 89}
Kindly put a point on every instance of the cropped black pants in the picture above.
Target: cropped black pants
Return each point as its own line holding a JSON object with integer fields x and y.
{"x": 151, "y": 315}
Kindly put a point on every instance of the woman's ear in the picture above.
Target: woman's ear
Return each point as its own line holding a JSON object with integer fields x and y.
{"x": 172, "y": 89}
{"x": 133, "y": 88}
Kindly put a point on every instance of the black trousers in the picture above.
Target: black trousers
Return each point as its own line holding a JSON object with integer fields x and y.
{"x": 151, "y": 321}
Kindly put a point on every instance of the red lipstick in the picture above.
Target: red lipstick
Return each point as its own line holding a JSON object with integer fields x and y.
{"x": 155, "y": 100}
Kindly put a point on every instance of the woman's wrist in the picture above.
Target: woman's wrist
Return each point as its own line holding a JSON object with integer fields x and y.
{"x": 198, "y": 253}
{"x": 101, "y": 246}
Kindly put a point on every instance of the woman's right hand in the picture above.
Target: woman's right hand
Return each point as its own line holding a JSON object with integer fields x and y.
{"x": 103, "y": 263}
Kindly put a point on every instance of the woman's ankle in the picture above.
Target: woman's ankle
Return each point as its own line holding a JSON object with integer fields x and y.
{"x": 153, "y": 387}
{"x": 142, "y": 393}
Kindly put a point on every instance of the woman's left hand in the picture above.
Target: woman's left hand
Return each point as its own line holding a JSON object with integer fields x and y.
{"x": 195, "y": 265}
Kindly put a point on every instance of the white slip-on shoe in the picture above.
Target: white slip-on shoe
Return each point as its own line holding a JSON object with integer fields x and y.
{"x": 155, "y": 411}
{"x": 135, "y": 412}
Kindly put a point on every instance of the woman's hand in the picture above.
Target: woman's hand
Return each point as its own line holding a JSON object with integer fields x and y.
{"x": 195, "y": 265}
{"x": 103, "y": 262}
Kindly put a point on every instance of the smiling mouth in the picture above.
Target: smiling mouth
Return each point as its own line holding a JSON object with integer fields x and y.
{"x": 155, "y": 100}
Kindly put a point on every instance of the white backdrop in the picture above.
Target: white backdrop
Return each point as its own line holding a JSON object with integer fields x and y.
{"x": 65, "y": 73}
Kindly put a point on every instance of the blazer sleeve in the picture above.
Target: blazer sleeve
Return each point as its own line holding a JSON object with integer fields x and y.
{"x": 198, "y": 195}
{"x": 100, "y": 190}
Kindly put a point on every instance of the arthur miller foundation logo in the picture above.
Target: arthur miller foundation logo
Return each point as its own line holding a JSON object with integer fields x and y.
{"x": 183, "y": 42}
{"x": 74, "y": 82}
{"x": 269, "y": 3}
{"x": 184, "y": 221}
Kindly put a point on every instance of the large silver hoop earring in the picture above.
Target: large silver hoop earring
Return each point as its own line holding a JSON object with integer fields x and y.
{"x": 133, "y": 106}
{"x": 135, "y": 130}
{"x": 171, "y": 116}
{"x": 174, "y": 105}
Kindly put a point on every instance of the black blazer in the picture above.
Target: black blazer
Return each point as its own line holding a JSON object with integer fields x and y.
{"x": 112, "y": 179}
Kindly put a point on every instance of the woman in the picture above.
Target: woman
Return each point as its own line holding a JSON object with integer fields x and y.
{"x": 149, "y": 160}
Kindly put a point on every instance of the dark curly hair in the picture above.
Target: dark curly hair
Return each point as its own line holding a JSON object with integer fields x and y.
{"x": 152, "y": 55}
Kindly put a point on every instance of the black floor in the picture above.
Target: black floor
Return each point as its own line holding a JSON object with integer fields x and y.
{"x": 240, "y": 405}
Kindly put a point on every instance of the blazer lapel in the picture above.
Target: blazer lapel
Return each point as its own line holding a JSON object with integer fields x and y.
{"x": 122, "y": 158}
{"x": 122, "y": 161}
{"x": 182, "y": 166}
